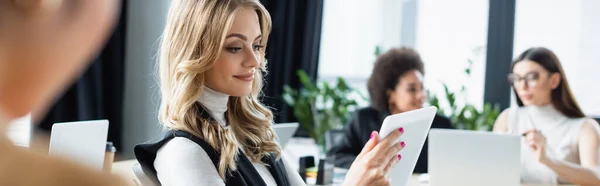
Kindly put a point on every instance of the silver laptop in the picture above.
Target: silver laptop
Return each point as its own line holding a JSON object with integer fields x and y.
{"x": 473, "y": 158}
{"x": 83, "y": 142}
{"x": 285, "y": 131}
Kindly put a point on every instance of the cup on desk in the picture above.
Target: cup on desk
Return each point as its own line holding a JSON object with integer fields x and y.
{"x": 305, "y": 163}
{"x": 109, "y": 157}
{"x": 325, "y": 171}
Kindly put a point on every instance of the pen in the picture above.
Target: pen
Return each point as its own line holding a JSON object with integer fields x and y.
{"x": 525, "y": 133}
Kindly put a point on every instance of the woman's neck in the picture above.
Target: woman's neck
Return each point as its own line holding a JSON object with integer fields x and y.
{"x": 4, "y": 121}
{"x": 547, "y": 109}
{"x": 216, "y": 103}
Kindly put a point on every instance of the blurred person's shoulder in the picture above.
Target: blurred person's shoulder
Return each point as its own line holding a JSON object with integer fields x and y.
{"x": 367, "y": 112}
{"x": 368, "y": 118}
{"x": 440, "y": 121}
{"x": 22, "y": 167}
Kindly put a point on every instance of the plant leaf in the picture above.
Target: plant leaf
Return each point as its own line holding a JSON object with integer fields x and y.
{"x": 305, "y": 80}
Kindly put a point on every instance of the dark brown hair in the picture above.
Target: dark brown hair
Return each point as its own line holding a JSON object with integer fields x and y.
{"x": 562, "y": 97}
{"x": 388, "y": 69}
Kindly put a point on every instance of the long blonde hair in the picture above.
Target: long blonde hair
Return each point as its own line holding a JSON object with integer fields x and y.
{"x": 191, "y": 42}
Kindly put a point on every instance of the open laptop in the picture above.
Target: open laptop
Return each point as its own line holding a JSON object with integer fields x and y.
{"x": 473, "y": 158}
{"x": 83, "y": 142}
{"x": 285, "y": 131}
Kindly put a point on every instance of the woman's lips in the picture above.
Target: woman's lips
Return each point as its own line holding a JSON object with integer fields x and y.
{"x": 245, "y": 77}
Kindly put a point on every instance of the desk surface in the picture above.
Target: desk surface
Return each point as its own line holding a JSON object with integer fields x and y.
{"x": 296, "y": 147}
{"x": 123, "y": 169}
{"x": 414, "y": 181}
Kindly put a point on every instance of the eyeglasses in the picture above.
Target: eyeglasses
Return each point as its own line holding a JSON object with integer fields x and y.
{"x": 530, "y": 79}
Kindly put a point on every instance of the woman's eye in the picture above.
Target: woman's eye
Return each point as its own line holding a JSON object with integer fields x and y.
{"x": 234, "y": 49}
{"x": 532, "y": 76}
{"x": 258, "y": 47}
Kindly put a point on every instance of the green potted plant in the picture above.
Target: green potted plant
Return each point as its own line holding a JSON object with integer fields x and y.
{"x": 320, "y": 107}
{"x": 465, "y": 116}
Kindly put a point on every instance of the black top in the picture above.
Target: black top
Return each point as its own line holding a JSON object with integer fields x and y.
{"x": 245, "y": 174}
{"x": 357, "y": 133}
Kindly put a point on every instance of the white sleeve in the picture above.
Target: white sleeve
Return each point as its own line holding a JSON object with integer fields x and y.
{"x": 293, "y": 175}
{"x": 182, "y": 162}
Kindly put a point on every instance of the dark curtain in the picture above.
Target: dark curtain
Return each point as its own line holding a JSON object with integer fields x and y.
{"x": 293, "y": 45}
{"x": 98, "y": 93}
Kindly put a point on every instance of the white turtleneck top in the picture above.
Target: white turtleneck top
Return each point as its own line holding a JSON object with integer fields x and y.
{"x": 562, "y": 136}
{"x": 181, "y": 162}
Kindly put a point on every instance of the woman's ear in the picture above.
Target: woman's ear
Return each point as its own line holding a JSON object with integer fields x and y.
{"x": 555, "y": 79}
{"x": 391, "y": 95}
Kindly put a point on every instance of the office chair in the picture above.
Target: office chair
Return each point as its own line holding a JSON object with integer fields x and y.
{"x": 144, "y": 179}
{"x": 333, "y": 137}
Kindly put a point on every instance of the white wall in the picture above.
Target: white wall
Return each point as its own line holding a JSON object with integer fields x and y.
{"x": 146, "y": 19}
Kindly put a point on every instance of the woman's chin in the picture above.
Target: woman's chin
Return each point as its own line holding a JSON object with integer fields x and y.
{"x": 527, "y": 102}
{"x": 241, "y": 92}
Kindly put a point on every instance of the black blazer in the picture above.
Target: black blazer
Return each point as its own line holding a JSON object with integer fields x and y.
{"x": 357, "y": 133}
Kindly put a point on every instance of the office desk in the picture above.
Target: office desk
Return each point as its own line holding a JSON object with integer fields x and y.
{"x": 414, "y": 181}
{"x": 124, "y": 170}
{"x": 298, "y": 147}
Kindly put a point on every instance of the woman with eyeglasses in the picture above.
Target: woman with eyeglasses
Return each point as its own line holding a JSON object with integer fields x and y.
{"x": 560, "y": 144}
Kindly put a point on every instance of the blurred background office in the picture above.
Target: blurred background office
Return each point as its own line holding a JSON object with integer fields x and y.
{"x": 466, "y": 45}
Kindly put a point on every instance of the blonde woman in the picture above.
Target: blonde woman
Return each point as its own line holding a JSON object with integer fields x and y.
{"x": 211, "y": 66}
{"x": 44, "y": 44}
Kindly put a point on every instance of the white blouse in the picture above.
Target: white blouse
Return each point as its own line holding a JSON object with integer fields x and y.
{"x": 562, "y": 136}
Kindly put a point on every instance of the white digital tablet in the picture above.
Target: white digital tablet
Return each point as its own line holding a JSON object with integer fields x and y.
{"x": 416, "y": 126}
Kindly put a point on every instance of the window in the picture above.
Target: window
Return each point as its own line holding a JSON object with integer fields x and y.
{"x": 350, "y": 33}
{"x": 448, "y": 36}
{"x": 570, "y": 29}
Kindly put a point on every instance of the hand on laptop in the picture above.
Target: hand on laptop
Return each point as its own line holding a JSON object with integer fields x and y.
{"x": 373, "y": 164}
{"x": 537, "y": 143}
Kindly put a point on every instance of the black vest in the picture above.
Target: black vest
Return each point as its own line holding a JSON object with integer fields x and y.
{"x": 245, "y": 174}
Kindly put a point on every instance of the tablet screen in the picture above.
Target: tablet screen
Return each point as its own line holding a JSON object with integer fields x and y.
{"x": 416, "y": 126}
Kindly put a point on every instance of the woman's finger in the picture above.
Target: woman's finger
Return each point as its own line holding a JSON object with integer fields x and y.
{"x": 393, "y": 152}
{"x": 533, "y": 147}
{"x": 392, "y": 161}
{"x": 396, "y": 148}
{"x": 373, "y": 140}
{"x": 530, "y": 136}
{"x": 381, "y": 150}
